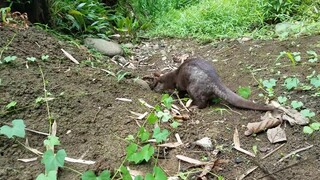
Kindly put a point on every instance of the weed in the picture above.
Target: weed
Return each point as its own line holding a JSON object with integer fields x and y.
{"x": 44, "y": 57}
{"x": 9, "y": 59}
{"x": 282, "y": 99}
{"x": 307, "y": 113}
{"x": 244, "y": 92}
{"x": 296, "y": 104}
{"x": 294, "y": 57}
{"x": 311, "y": 128}
{"x": 17, "y": 129}
{"x": 31, "y": 59}
{"x": 120, "y": 75}
{"x": 269, "y": 84}
{"x": 11, "y": 105}
{"x": 255, "y": 149}
{"x": 291, "y": 83}
{"x": 313, "y": 56}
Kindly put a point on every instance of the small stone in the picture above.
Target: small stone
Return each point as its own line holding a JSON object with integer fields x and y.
{"x": 143, "y": 84}
{"x": 238, "y": 160}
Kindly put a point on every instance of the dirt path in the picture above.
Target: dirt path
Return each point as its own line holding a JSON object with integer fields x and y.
{"x": 92, "y": 124}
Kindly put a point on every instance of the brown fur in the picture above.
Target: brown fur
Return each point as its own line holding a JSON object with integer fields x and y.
{"x": 200, "y": 80}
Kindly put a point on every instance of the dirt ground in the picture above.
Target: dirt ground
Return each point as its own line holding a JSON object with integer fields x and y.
{"x": 92, "y": 124}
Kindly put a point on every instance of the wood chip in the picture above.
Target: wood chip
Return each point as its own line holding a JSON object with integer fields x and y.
{"x": 124, "y": 99}
{"x": 70, "y": 56}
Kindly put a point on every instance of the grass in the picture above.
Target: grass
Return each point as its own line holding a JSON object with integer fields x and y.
{"x": 229, "y": 19}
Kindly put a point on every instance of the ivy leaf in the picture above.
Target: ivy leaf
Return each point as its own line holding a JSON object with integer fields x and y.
{"x": 269, "y": 83}
{"x": 17, "y": 129}
{"x": 159, "y": 174}
{"x": 125, "y": 173}
{"x": 175, "y": 124}
{"x": 90, "y": 175}
{"x": 152, "y": 118}
{"x": 143, "y": 134}
{"x": 282, "y": 99}
{"x": 315, "y": 81}
{"x": 32, "y": 59}
{"x": 244, "y": 92}
{"x": 160, "y": 135}
{"x": 307, "y": 130}
{"x": 167, "y": 101}
{"x": 52, "y": 141}
{"x": 291, "y": 83}
{"x": 131, "y": 149}
{"x": 50, "y": 176}
{"x": 164, "y": 116}
{"x": 139, "y": 177}
{"x": 307, "y": 113}
{"x": 149, "y": 176}
{"x": 145, "y": 153}
{"x": 53, "y": 161}
{"x": 296, "y": 104}
{"x": 315, "y": 126}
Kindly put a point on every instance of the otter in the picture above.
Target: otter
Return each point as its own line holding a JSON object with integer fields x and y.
{"x": 200, "y": 80}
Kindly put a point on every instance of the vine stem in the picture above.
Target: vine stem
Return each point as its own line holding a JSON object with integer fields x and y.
{"x": 45, "y": 97}
{"x": 6, "y": 46}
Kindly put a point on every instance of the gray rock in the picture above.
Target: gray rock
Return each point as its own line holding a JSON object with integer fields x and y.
{"x": 105, "y": 47}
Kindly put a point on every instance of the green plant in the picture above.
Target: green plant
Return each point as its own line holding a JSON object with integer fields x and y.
{"x": 307, "y": 113}
{"x": 31, "y": 59}
{"x": 294, "y": 57}
{"x": 11, "y": 105}
{"x": 296, "y": 104}
{"x": 311, "y": 128}
{"x": 44, "y": 57}
{"x": 312, "y": 56}
{"x": 282, "y": 99}
{"x": 120, "y": 75}
{"x": 269, "y": 84}
{"x": 291, "y": 83}
{"x": 244, "y": 92}
{"x": 17, "y": 129}
{"x": 9, "y": 59}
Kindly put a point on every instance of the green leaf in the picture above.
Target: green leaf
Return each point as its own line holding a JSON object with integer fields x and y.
{"x": 52, "y": 175}
{"x": 152, "y": 118}
{"x": 167, "y": 101}
{"x": 145, "y": 153}
{"x": 11, "y": 105}
{"x": 139, "y": 177}
{"x": 291, "y": 83}
{"x": 8, "y": 59}
{"x": 32, "y": 59}
{"x": 149, "y": 176}
{"x": 130, "y": 137}
{"x": 159, "y": 174}
{"x": 160, "y": 135}
{"x": 164, "y": 116}
{"x": 175, "y": 124}
{"x": 44, "y": 57}
{"x": 307, "y": 113}
{"x": 307, "y": 130}
{"x": 125, "y": 173}
{"x": 51, "y": 141}
{"x": 315, "y": 81}
{"x": 315, "y": 126}
{"x": 53, "y": 161}
{"x": 282, "y": 99}
{"x": 244, "y": 92}
{"x": 143, "y": 134}
{"x": 296, "y": 104}
{"x": 17, "y": 129}
{"x": 131, "y": 149}
{"x": 89, "y": 175}
{"x": 269, "y": 83}
{"x": 313, "y": 56}
{"x": 297, "y": 56}
{"x": 255, "y": 149}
